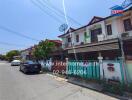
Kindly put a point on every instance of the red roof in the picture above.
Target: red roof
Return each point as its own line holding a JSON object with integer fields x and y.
{"x": 56, "y": 41}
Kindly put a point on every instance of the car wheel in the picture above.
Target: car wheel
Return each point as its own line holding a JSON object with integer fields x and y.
{"x": 20, "y": 69}
{"x": 38, "y": 72}
{"x": 25, "y": 71}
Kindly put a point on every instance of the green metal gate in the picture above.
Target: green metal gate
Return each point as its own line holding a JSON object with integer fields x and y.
{"x": 84, "y": 69}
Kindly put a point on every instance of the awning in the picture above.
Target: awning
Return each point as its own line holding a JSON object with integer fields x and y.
{"x": 100, "y": 46}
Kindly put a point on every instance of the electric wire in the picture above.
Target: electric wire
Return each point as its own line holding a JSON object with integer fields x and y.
{"x": 61, "y": 12}
{"x": 17, "y": 33}
{"x": 45, "y": 11}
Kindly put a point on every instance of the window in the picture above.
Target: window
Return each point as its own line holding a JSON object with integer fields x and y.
{"x": 77, "y": 38}
{"x": 69, "y": 39}
{"x": 109, "y": 29}
{"x": 127, "y": 25}
{"x": 95, "y": 33}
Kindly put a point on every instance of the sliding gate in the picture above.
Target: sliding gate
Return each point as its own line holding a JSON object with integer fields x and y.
{"x": 84, "y": 69}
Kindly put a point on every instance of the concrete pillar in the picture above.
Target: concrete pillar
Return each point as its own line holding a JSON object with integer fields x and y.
{"x": 88, "y": 34}
{"x": 67, "y": 68}
{"x": 100, "y": 58}
{"x": 103, "y": 29}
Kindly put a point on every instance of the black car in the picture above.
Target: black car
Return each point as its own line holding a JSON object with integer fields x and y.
{"x": 30, "y": 66}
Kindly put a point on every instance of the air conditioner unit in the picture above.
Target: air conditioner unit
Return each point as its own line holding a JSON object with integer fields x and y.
{"x": 125, "y": 35}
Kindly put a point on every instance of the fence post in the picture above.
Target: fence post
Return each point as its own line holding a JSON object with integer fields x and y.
{"x": 67, "y": 68}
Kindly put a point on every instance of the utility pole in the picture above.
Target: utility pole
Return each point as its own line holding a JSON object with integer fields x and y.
{"x": 123, "y": 58}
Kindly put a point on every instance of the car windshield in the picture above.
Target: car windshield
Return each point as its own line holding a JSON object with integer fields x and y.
{"x": 30, "y": 62}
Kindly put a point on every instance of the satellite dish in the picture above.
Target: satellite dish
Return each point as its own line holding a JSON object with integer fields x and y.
{"x": 63, "y": 27}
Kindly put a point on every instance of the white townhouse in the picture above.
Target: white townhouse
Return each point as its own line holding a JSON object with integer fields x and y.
{"x": 99, "y": 37}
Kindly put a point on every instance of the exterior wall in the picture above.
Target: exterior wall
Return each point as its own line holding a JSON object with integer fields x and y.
{"x": 129, "y": 70}
{"x": 24, "y": 55}
{"x": 117, "y": 25}
{"x": 113, "y": 23}
{"x": 126, "y": 15}
{"x": 88, "y": 40}
{"x": 117, "y": 29}
{"x": 63, "y": 42}
{"x": 95, "y": 26}
{"x": 113, "y": 70}
{"x": 81, "y": 36}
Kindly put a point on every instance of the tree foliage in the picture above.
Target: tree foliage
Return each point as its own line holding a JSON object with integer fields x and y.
{"x": 2, "y": 57}
{"x": 43, "y": 50}
{"x": 11, "y": 54}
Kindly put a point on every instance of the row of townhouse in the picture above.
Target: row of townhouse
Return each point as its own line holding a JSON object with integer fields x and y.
{"x": 27, "y": 54}
{"x": 100, "y": 37}
{"x": 107, "y": 38}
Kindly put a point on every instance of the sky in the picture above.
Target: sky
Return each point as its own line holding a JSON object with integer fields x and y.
{"x": 36, "y": 21}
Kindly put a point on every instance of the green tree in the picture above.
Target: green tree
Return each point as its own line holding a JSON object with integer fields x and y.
{"x": 2, "y": 57}
{"x": 11, "y": 54}
{"x": 37, "y": 53}
{"x": 43, "y": 50}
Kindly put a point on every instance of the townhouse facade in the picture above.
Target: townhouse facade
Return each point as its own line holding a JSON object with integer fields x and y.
{"x": 56, "y": 53}
{"x": 27, "y": 53}
{"x": 100, "y": 37}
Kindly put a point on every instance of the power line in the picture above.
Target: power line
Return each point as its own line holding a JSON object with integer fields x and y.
{"x": 49, "y": 14}
{"x": 55, "y": 10}
{"x": 61, "y": 12}
{"x": 48, "y": 8}
{"x": 11, "y": 44}
{"x": 17, "y": 33}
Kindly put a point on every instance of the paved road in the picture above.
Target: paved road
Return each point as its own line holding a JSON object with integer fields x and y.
{"x": 14, "y": 85}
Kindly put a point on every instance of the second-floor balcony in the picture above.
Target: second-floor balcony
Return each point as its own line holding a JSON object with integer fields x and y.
{"x": 67, "y": 45}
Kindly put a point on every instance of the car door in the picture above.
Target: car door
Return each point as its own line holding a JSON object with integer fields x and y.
{"x": 22, "y": 66}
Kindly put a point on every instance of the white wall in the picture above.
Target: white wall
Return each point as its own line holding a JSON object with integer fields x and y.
{"x": 24, "y": 55}
{"x": 116, "y": 74}
{"x": 117, "y": 25}
{"x": 81, "y": 38}
{"x": 95, "y": 26}
{"x": 117, "y": 28}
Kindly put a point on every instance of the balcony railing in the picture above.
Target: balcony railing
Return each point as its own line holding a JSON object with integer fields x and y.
{"x": 67, "y": 45}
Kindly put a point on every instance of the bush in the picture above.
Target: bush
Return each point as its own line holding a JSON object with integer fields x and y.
{"x": 130, "y": 87}
{"x": 113, "y": 88}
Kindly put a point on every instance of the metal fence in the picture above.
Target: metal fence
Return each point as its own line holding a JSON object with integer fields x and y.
{"x": 84, "y": 69}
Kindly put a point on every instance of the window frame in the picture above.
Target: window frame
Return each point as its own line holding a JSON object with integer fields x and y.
{"x": 69, "y": 39}
{"x": 109, "y": 29}
{"x": 126, "y": 28}
{"x": 77, "y": 38}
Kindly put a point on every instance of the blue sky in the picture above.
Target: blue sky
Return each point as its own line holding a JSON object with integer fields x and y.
{"x": 24, "y": 17}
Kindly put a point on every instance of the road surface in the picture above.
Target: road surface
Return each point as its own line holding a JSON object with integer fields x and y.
{"x": 15, "y": 85}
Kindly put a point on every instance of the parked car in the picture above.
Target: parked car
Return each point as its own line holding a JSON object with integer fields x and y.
{"x": 15, "y": 63}
{"x": 30, "y": 66}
